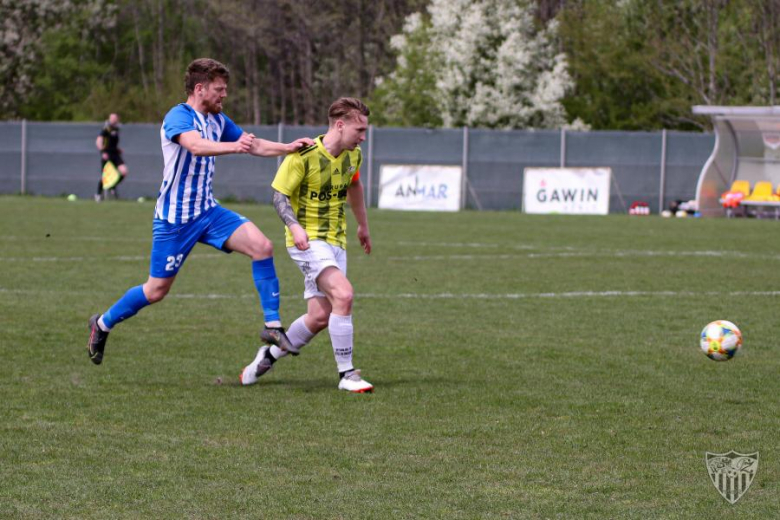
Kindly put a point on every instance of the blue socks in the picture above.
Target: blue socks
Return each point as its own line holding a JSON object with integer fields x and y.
{"x": 264, "y": 274}
{"x": 128, "y": 306}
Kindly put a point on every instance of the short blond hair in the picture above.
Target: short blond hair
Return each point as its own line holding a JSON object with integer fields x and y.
{"x": 347, "y": 108}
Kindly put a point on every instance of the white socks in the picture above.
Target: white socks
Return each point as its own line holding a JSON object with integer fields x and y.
{"x": 341, "y": 337}
{"x": 102, "y": 325}
{"x": 298, "y": 335}
{"x": 341, "y": 334}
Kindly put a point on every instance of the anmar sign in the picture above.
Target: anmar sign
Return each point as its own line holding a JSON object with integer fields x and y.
{"x": 420, "y": 187}
{"x": 574, "y": 191}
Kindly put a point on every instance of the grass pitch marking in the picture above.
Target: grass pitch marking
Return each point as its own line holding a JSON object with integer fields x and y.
{"x": 448, "y": 296}
{"x": 585, "y": 254}
{"x": 120, "y": 258}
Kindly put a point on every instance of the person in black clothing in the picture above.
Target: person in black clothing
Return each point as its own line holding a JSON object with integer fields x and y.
{"x": 108, "y": 144}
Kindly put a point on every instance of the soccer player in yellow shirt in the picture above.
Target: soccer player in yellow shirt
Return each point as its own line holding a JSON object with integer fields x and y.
{"x": 310, "y": 191}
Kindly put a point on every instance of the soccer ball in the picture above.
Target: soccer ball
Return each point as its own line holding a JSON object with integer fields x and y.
{"x": 720, "y": 340}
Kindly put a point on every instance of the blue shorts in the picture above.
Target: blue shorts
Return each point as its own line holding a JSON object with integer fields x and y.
{"x": 171, "y": 243}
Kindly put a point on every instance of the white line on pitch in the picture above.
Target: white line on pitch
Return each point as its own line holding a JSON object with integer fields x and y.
{"x": 122, "y": 258}
{"x": 506, "y": 256}
{"x": 447, "y": 296}
{"x": 478, "y": 245}
{"x": 585, "y": 254}
{"x": 37, "y": 238}
{"x": 570, "y": 294}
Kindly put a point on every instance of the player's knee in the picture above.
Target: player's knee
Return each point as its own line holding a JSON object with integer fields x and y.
{"x": 156, "y": 296}
{"x": 342, "y": 298}
{"x": 262, "y": 248}
{"x": 156, "y": 293}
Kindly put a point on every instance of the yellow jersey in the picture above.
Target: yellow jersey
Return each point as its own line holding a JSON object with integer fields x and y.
{"x": 317, "y": 183}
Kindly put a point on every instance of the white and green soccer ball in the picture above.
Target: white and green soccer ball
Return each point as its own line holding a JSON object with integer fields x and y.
{"x": 721, "y": 340}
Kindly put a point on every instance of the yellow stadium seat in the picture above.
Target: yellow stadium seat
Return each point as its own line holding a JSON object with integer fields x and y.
{"x": 742, "y": 187}
{"x": 762, "y": 192}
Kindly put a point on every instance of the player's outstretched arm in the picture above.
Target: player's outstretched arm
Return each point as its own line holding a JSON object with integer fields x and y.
{"x": 201, "y": 147}
{"x": 263, "y": 148}
{"x": 358, "y": 205}
{"x": 286, "y": 213}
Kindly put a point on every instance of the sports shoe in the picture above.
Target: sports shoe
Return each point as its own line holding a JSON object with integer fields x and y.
{"x": 256, "y": 368}
{"x": 352, "y": 382}
{"x": 276, "y": 336}
{"x": 97, "y": 340}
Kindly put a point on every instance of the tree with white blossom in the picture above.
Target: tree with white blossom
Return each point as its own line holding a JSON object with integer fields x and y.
{"x": 407, "y": 96}
{"x": 492, "y": 65}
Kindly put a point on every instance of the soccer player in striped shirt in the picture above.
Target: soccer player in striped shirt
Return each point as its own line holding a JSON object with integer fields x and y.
{"x": 192, "y": 135}
{"x": 311, "y": 189}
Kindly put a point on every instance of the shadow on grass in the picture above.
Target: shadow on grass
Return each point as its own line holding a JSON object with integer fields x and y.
{"x": 323, "y": 383}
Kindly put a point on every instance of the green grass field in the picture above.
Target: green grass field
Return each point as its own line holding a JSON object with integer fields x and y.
{"x": 525, "y": 367}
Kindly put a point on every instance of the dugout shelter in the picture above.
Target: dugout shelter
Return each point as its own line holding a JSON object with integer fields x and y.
{"x": 747, "y": 148}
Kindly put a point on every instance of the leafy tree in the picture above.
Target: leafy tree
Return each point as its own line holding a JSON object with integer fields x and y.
{"x": 757, "y": 31}
{"x": 69, "y": 65}
{"x": 492, "y": 67}
{"x": 289, "y": 63}
{"x": 23, "y": 24}
{"x": 618, "y": 64}
{"x": 499, "y": 69}
{"x": 642, "y": 65}
{"x": 407, "y": 96}
{"x": 616, "y": 85}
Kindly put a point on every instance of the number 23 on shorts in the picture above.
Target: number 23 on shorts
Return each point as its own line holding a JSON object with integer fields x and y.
{"x": 173, "y": 262}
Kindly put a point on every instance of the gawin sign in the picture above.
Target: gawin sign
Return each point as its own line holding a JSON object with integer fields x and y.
{"x": 575, "y": 191}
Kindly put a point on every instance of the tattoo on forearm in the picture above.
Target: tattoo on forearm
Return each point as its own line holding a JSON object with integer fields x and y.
{"x": 284, "y": 209}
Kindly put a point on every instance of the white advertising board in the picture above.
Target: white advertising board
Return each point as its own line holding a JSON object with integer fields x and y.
{"x": 420, "y": 187}
{"x": 575, "y": 191}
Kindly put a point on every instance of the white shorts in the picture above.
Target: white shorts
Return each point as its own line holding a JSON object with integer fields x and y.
{"x": 314, "y": 260}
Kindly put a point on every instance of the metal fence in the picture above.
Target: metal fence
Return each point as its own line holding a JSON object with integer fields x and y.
{"x": 655, "y": 167}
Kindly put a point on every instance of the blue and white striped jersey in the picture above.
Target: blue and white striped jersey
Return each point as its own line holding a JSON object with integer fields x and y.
{"x": 186, "y": 192}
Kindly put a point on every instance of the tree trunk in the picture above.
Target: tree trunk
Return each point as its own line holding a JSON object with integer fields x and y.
{"x": 768, "y": 14}
{"x": 296, "y": 115}
{"x": 140, "y": 45}
{"x": 159, "y": 48}
{"x": 301, "y": 62}
{"x": 282, "y": 93}
{"x": 712, "y": 8}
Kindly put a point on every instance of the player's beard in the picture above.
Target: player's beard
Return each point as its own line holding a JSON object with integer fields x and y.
{"x": 213, "y": 107}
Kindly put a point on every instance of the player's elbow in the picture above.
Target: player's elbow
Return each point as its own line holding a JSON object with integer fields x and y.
{"x": 280, "y": 199}
{"x": 197, "y": 149}
{"x": 196, "y": 146}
